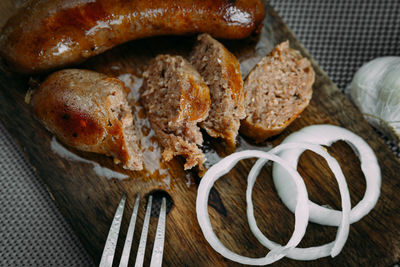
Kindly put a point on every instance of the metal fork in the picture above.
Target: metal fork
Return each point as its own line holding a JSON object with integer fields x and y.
{"x": 112, "y": 238}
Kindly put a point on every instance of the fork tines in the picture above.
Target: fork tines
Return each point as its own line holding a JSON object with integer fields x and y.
{"x": 112, "y": 238}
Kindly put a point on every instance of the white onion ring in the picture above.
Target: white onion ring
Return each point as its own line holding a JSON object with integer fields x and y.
{"x": 312, "y": 253}
{"x": 221, "y": 168}
{"x": 326, "y": 135}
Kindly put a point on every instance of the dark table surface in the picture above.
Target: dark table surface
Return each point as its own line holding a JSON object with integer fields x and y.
{"x": 341, "y": 35}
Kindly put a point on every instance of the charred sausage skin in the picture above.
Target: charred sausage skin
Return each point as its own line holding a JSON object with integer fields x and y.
{"x": 48, "y": 34}
{"x": 89, "y": 111}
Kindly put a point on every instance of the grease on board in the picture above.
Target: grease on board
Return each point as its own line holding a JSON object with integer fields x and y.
{"x": 151, "y": 151}
{"x": 60, "y": 150}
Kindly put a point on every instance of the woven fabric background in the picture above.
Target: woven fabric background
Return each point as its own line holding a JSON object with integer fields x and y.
{"x": 340, "y": 34}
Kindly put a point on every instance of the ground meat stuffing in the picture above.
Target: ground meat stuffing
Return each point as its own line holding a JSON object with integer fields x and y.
{"x": 221, "y": 71}
{"x": 176, "y": 98}
{"x": 277, "y": 90}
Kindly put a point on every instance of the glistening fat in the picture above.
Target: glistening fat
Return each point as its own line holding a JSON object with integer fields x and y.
{"x": 48, "y": 34}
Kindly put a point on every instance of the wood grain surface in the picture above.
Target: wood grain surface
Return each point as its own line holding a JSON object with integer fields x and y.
{"x": 88, "y": 201}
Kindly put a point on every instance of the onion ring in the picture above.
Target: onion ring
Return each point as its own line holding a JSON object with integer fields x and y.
{"x": 221, "y": 168}
{"x": 326, "y": 135}
{"x": 312, "y": 253}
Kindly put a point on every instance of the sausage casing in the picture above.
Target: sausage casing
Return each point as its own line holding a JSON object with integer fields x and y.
{"x": 48, "y": 34}
{"x": 89, "y": 111}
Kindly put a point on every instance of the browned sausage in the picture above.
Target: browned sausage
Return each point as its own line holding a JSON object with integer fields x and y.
{"x": 89, "y": 111}
{"x": 54, "y": 33}
{"x": 221, "y": 72}
{"x": 176, "y": 98}
{"x": 277, "y": 91}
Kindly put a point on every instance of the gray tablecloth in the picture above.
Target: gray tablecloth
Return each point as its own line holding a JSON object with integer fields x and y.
{"x": 340, "y": 34}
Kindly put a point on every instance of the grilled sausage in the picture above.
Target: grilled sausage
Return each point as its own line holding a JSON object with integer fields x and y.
{"x": 176, "y": 98}
{"x": 276, "y": 91}
{"x": 221, "y": 71}
{"x": 48, "y": 34}
{"x": 89, "y": 111}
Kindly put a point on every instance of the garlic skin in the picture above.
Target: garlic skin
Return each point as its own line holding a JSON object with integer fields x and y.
{"x": 375, "y": 90}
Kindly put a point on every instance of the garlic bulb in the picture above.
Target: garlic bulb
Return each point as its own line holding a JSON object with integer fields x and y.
{"x": 375, "y": 90}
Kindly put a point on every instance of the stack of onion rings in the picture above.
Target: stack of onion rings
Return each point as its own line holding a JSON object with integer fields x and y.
{"x": 292, "y": 191}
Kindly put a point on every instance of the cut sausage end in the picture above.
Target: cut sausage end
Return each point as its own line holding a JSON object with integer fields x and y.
{"x": 277, "y": 90}
{"x": 221, "y": 71}
{"x": 176, "y": 98}
{"x": 89, "y": 111}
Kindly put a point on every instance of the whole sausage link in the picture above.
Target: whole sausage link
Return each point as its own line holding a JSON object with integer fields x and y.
{"x": 48, "y": 34}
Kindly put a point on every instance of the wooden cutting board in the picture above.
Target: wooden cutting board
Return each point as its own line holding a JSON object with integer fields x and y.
{"x": 88, "y": 201}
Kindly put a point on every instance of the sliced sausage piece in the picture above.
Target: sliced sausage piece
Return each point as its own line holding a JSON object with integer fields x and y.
{"x": 48, "y": 34}
{"x": 176, "y": 98}
{"x": 89, "y": 111}
{"x": 221, "y": 72}
{"x": 277, "y": 90}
